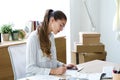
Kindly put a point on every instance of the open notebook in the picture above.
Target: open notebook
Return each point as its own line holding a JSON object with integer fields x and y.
{"x": 74, "y": 74}
{"x": 41, "y": 77}
{"x": 108, "y": 71}
{"x": 83, "y": 76}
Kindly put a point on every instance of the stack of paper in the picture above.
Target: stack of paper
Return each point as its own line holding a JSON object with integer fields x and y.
{"x": 108, "y": 71}
{"x": 83, "y": 76}
{"x": 42, "y": 77}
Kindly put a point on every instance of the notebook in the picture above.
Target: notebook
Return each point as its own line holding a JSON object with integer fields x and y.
{"x": 107, "y": 70}
{"x": 74, "y": 75}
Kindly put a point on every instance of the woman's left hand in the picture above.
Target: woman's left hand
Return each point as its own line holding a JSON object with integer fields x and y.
{"x": 72, "y": 66}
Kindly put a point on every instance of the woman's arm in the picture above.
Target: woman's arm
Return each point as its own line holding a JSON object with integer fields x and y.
{"x": 58, "y": 71}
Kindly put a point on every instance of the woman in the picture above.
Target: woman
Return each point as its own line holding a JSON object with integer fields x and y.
{"x": 41, "y": 50}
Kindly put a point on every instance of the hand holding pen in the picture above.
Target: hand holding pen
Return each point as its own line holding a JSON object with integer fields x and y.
{"x": 72, "y": 67}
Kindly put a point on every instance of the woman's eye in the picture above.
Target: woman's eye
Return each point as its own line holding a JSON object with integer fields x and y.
{"x": 61, "y": 25}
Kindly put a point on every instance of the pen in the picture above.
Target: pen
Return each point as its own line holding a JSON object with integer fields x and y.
{"x": 80, "y": 69}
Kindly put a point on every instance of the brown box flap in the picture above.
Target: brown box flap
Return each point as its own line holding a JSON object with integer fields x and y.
{"x": 89, "y": 34}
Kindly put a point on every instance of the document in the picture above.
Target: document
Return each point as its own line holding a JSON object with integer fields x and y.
{"x": 108, "y": 70}
{"x": 83, "y": 76}
{"x": 72, "y": 72}
{"x": 41, "y": 77}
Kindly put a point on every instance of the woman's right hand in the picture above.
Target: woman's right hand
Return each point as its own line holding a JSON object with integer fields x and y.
{"x": 58, "y": 71}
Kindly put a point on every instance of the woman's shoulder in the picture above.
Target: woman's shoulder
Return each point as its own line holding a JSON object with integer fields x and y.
{"x": 33, "y": 34}
{"x": 51, "y": 35}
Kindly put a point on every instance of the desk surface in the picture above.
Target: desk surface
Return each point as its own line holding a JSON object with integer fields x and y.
{"x": 95, "y": 66}
{"x": 9, "y": 43}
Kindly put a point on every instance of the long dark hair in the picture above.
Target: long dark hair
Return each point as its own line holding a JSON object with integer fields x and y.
{"x": 43, "y": 29}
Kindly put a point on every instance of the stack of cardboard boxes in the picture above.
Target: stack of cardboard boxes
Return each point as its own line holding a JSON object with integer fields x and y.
{"x": 89, "y": 48}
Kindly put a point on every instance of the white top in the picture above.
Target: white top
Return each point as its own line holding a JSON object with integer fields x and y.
{"x": 36, "y": 63}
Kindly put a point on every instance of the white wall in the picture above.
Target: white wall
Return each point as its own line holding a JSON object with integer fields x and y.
{"x": 77, "y": 17}
{"x": 107, "y": 12}
{"x": 79, "y": 22}
{"x": 21, "y": 12}
{"x": 102, "y": 12}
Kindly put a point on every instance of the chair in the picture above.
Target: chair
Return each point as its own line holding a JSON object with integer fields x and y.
{"x": 60, "y": 43}
{"x": 18, "y": 58}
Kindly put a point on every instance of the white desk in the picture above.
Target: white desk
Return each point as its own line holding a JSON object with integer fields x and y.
{"x": 41, "y": 77}
{"x": 95, "y": 66}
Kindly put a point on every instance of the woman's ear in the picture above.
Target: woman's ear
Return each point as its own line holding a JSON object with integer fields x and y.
{"x": 52, "y": 19}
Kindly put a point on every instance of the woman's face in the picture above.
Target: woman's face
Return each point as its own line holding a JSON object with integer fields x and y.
{"x": 57, "y": 25}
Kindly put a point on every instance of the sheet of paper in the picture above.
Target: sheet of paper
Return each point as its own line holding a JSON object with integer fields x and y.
{"x": 95, "y": 76}
{"x": 108, "y": 71}
{"x": 41, "y": 77}
{"x": 73, "y": 72}
{"x": 87, "y": 76}
{"x": 70, "y": 73}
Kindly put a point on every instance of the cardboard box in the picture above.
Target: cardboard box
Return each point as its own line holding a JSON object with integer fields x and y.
{"x": 85, "y": 57}
{"x": 81, "y": 48}
{"x": 89, "y": 37}
{"x": 60, "y": 43}
{"x": 91, "y": 56}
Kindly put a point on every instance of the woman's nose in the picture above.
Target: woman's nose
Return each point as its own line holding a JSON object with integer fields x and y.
{"x": 61, "y": 28}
